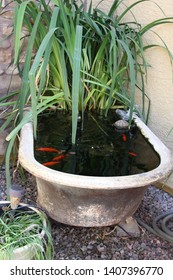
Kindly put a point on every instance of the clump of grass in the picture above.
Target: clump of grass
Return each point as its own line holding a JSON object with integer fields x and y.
{"x": 24, "y": 227}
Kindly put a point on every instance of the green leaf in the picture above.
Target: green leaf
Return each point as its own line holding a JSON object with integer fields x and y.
{"x": 18, "y": 22}
{"x": 76, "y": 80}
{"x": 32, "y": 75}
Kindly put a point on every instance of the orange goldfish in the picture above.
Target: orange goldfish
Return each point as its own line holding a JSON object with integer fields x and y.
{"x": 124, "y": 137}
{"x": 50, "y": 163}
{"x": 47, "y": 149}
{"x": 132, "y": 154}
{"x": 59, "y": 157}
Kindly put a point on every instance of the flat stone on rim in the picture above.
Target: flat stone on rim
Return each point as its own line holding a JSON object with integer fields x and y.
{"x": 121, "y": 124}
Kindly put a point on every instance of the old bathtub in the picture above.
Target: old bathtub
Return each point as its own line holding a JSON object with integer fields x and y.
{"x": 90, "y": 201}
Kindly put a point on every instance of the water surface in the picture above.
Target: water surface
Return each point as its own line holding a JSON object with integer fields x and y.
{"x": 100, "y": 150}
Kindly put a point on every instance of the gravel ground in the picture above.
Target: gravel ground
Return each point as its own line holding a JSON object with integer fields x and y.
{"x": 76, "y": 243}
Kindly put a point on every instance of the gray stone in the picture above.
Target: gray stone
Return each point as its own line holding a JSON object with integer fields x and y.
{"x": 4, "y": 43}
{"x": 9, "y": 83}
{"x": 129, "y": 228}
{"x": 1, "y": 70}
{"x": 12, "y": 70}
{"x": 121, "y": 124}
{"x": 101, "y": 248}
{"x": 5, "y": 55}
{"x": 3, "y": 142}
{"x": 6, "y": 26}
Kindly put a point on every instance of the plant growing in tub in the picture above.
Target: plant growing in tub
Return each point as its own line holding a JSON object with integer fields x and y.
{"x": 25, "y": 230}
{"x": 76, "y": 60}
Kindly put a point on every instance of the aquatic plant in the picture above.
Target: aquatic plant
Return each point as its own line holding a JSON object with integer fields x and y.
{"x": 24, "y": 227}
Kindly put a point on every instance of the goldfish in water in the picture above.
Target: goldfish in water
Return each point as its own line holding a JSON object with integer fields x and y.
{"x": 124, "y": 137}
{"x": 59, "y": 157}
{"x": 47, "y": 149}
{"x": 132, "y": 154}
{"x": 50, "y": 163}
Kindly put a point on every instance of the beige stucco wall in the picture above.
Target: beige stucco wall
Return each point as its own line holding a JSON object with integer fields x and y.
{"x": 159, "y": 86}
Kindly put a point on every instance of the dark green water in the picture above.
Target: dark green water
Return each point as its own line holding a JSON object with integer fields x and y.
{"x": 100, "y": 149}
